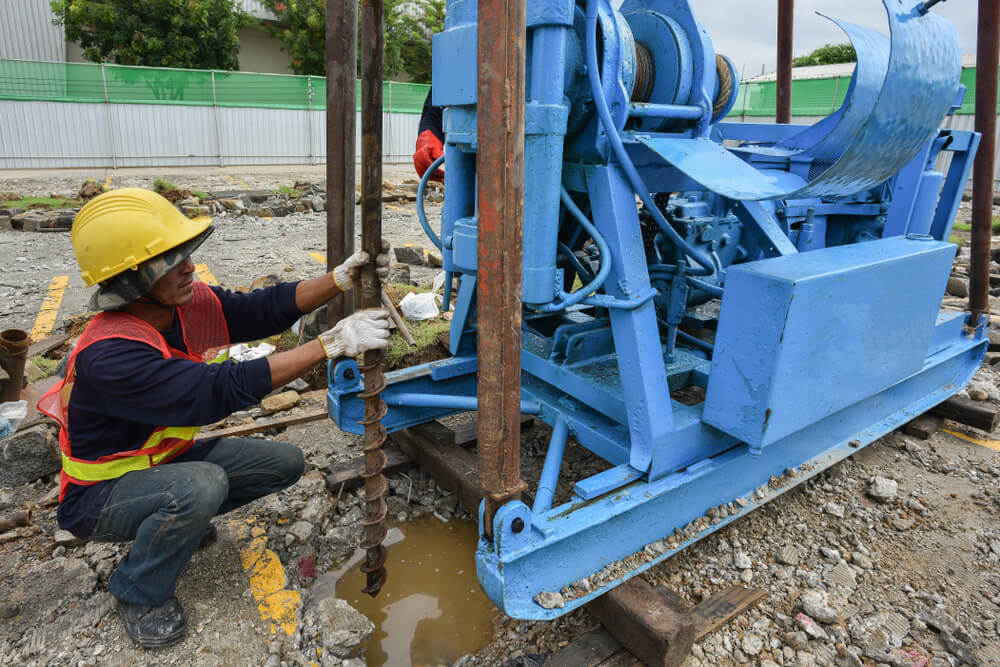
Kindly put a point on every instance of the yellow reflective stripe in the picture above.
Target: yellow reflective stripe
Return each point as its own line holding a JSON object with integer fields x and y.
{"x": 98, "y": 472}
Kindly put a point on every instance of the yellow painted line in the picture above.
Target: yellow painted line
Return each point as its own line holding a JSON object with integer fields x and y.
{"x": 396, "y": 208}
{"x": 991, "y": 444}
{"x": 268, "y": 584}
{"x": 204, "y": 275}
{"x": 319, "y": 257}
{"x": 46, "y": 318}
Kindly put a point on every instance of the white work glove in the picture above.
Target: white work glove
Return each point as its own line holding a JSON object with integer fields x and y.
{"x": 347, "y": 275}
{"x": 354, "y": 335}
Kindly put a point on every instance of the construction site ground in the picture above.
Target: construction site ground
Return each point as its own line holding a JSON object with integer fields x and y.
{"x": 891, "y": 557}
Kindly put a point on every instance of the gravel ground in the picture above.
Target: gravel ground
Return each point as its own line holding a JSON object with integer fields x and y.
{"x": 891, "y": 557}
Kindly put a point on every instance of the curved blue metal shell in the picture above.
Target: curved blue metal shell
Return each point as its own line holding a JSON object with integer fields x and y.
{"x": 894, "y": 109}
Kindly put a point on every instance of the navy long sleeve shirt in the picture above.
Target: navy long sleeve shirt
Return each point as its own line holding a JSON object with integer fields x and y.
{"x": 125, "y": 389}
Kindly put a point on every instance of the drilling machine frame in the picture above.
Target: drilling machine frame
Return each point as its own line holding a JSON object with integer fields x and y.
{"x": 790, "y": 275}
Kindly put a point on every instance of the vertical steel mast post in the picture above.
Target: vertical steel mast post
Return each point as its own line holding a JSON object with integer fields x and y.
{"x": 786, "y": 21}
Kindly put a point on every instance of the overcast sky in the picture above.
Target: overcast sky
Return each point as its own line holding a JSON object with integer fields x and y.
{"x": 746, "y": 30}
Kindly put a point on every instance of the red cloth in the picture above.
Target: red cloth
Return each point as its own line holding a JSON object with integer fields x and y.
{"x": 429, "y": 148}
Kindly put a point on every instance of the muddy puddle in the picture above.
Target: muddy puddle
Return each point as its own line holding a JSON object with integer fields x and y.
{"x": 431, "y": 610}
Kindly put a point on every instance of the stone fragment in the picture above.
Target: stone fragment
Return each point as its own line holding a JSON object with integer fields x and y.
{"x": 835, "y": 509}
{"x": 901, "y": 524}
{"x": 27, "y": 455}
{"x": 939, "y": 619}
{"x": 282, "y": 209}
{"x": 548, "y": 600}
{"x": 198, "y": 211}
{"x": 90, "y": 189}
{"x": 286, "y": 400}
{"x": 978, "y": 394}
{"x": 809, "y": 626}
{"x": 816, "y": 604}
{"x": 344, "y": 629}
{"x": 399, "y": 273}
{"x": 318, "y": 204}
{"x": 788, "y": 555}
{"x": 434, "y": 259}
{"x": 829, "y": 554}
{"x": 882, "y": 631}
{"x": 409, "y": 255}
{"x": 5, "y": 223}
{"x": 65, "y": 538}
{"x": 298, "y": 384}
{"x": 741, "y": 561}
{"x": 301, "y": 530}
{"x": 843, "y": 575}
{"x": 883, "y": 490}
{"x": 751, "y": 644}
{"x": 958, "y": 287}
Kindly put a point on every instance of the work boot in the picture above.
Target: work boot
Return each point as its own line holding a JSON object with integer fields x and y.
{"x": 211, "y": 534}
{"x": 153, "y": 627}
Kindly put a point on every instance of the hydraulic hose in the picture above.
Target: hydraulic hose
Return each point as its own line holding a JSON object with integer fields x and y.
{"x": 567, "y": 299}
{"x": 593, "y": 73}
{"x": 435, "y": 239}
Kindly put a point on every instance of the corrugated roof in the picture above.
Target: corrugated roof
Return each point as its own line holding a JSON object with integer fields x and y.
{"x": 27, "y": 31}
{"x": 257, "y": 9}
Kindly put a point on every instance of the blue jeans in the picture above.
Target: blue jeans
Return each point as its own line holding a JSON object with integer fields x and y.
{"x": 166, "y": 509}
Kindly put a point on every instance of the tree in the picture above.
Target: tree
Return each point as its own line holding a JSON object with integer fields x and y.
{"x": 828, "y": 54}
{"x": 409, "y": 24}
{"x": 199, "y": 34}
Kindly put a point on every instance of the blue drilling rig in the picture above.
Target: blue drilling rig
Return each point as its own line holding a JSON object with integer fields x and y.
{"x": 787, "y": 277}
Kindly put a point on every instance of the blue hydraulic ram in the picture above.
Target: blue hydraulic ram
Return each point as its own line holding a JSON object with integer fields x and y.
{"x": 790, "y": 275}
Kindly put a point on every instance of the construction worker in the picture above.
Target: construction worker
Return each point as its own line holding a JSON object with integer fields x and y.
{"x": 430, "y": 140}
{"x": 145, "y": 375}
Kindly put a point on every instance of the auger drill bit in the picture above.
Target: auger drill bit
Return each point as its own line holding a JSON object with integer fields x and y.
{"x": 370, "y": 294}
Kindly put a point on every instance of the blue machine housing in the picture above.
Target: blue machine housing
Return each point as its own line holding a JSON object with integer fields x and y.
{"x": 791, "y": 275}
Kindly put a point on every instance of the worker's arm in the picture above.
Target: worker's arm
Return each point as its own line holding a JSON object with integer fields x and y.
{"x": 286, "y": 366}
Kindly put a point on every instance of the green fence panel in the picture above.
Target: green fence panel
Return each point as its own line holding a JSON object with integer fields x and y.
{"x": 50, "y": 82}
{"x": 269, "y": 91}
{"x": 147, "y": 85}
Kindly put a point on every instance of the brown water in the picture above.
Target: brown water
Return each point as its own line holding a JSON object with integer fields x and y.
{"x": 431, "y": 610}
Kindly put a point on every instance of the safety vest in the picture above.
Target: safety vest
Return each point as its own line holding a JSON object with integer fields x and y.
{"x": 203, "y": 326}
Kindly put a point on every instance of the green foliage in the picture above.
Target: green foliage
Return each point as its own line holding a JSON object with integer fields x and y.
{"x": 289, "y": 192}
{"x": 160, "y": 186}
{"x": 967, "y": 227}
{"x": 45, "y": 365}
{"x": 828, "y": 54}
{"x": 41, "y": 202}
{"x": 409, "y": 24}
{"x": 424, "y": 332}
{"x": 199, "y": 34}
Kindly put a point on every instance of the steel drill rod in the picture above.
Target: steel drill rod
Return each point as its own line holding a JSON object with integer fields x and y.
{"x": 500, "y": 168}
{"x": 369, "y": 294}
{"x": 786, "y": 20}
{"x": 341, "y": 73}
{"x": 987, "y": 55}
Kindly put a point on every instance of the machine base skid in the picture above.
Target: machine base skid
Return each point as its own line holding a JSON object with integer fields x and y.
{"x": 615, "y": 536}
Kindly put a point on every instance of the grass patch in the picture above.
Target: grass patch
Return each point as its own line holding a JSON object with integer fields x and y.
{"x": 200, "y": 195}
{"x": 46, "y": 365}
{"x": 160, "y": 186}
{"x": 41, "y": 202}
{"x": 967, "y": 227}
{"x": 423, "y": 333}
{"x": 290, "y": 192}
{"x": 960, "y": 241}
{"x": 286, "y": 340}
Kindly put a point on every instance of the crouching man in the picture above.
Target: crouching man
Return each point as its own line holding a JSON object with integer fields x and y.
{"x": 144, "y": 377}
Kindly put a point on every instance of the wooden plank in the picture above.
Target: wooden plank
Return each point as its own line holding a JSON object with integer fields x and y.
{"x": 348, "y": 474}
{"x": 311, "y": 415}
{"x": 588, "y": 650}
{"x": 723, "y": 607}
{"x": 467, "y": 434}
{"x": 46, "y": 345}
{"x": 654, "y": 624}
{"x": 983, "y": 416}
{"x": 923, "y": 427}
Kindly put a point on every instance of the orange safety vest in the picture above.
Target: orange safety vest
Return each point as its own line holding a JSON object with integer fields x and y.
{"x": 203, "y": 326}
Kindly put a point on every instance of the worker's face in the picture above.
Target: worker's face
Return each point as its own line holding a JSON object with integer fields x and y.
{"x": 175, "y": 288}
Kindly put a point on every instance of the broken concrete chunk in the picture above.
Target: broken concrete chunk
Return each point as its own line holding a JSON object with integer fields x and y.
{"x": 809, "y": 626}
{"x": 741, "y": 561}
{"x": 816, "y": 605}
{"x": 883, "y": 490}
{"x": 409, "y": 255}
{"x": 788, "y": 555}
{"x": 344, "y": 628}
{"x": 286, "y": 400}
{"x": 27, "y": 455}
{"x": 548, "y": 600}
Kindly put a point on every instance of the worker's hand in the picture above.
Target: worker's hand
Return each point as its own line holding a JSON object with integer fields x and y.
{"x": 428, "y": 149}
{"x": 354, "y": 335}
{"x": 347, "y": 275}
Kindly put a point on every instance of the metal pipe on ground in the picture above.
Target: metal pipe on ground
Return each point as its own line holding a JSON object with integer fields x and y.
{"x": 369, "y": 294}
{"x": 786, "y": 20}
{"x": 13, "y": 355}
{"x": 987, "y": 55}
{"x": 500, "y": 167}
{"x": 341, "y": 73}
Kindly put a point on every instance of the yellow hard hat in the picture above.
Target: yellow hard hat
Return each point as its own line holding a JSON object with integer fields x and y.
{"x": 121, "y": 229}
